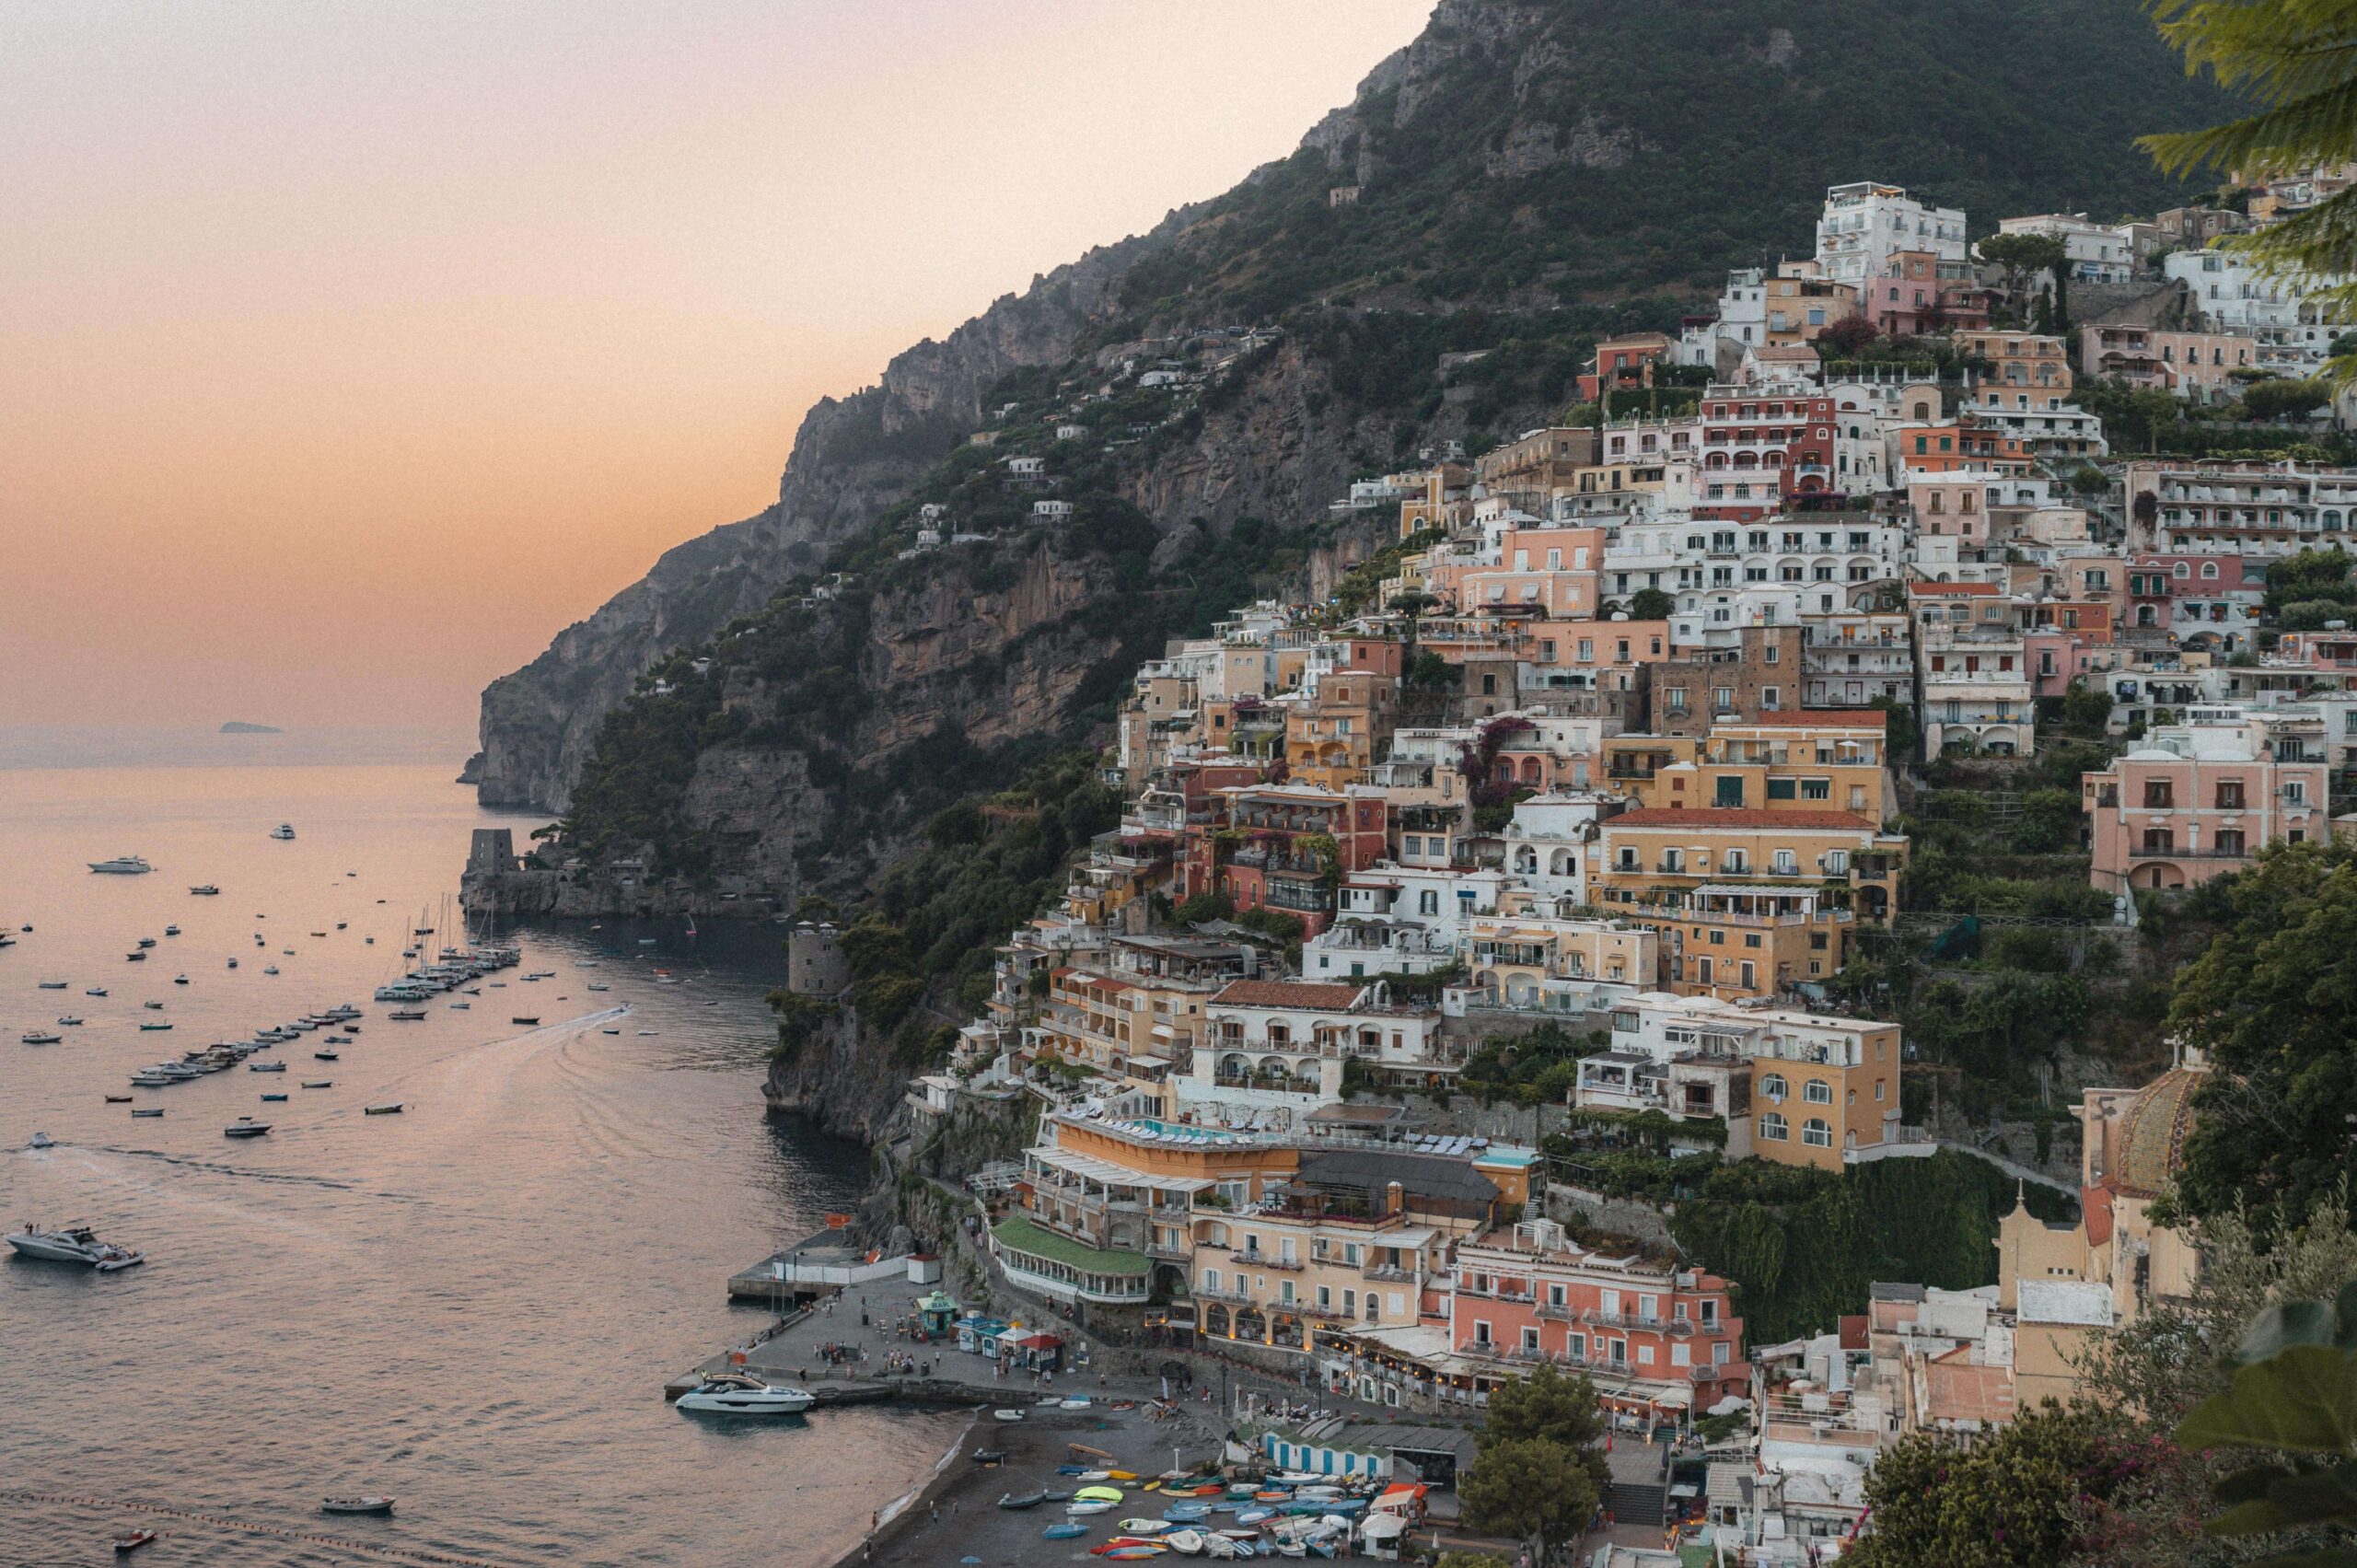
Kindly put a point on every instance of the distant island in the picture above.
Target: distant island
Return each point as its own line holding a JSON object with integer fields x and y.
{"x": 236, "y": 728}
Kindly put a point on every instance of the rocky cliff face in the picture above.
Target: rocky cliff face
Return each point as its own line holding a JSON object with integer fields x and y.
{"x": 851, "y": 457}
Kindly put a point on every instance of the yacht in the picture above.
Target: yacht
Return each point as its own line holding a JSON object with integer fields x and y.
{"x": 206, "y": 890}
{"x": 73, "y": 1244}
{"x": 734, "y": 1393}
{"x": 284, "y": 831}
{"x": 123, "y": 866}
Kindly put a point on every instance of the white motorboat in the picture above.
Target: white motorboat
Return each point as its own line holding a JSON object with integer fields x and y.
{"x": 370, "y": 1503}
{"x": 735, "y": 1393}
{"x": 95, "y": 991}
{"x": 121, "y": 866}
{"x": 73, "y": 1244}
{"x": 206, "y": 890}
{"x": 40, "y": 1037}
{"x": 282, "y": 831}
{"x": 41, "y": 1141}
{"x": 171, "y": 931}
{"x": 245, "y": 1127}
{"x": 68, "y": 1020}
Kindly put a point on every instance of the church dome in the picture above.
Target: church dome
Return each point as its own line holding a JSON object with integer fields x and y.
{"x": 2150, "y": 1140}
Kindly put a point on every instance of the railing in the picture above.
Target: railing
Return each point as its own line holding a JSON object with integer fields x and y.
{"x": 1222, "y": 1294}
{"x": 1387, "y": 1273}
{"x": 1261, "y": 1259}
{"x": 1556, "y": 1312}
{"x": 2147, "y": 851}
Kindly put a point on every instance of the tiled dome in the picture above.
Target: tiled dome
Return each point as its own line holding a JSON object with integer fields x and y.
{"x": 2151, "y": 1137}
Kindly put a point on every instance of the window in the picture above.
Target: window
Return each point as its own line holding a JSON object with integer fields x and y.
{"x": 2230, "y": 795}
{"x": 1773, "y": 1129}
{"x": 1816, "y": 1091}
{"x": 1817, "y": 789}
{"x": 1817, "y": 1134}
{"x": 1428, "y": 902}
{"x": 1774, "y": 1087}
{"x": 2159, "y": 794}
{"x": 1785, "y": 789}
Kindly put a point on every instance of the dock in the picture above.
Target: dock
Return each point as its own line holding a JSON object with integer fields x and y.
{"x": 817, "y": 1265}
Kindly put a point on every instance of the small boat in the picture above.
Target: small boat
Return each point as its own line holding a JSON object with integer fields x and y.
{"x": 245, "y": 1127}
{"x": 1144, "y": 1526}
{"x": 318, "y": 1082}
{"x": 277, "y": 1097}
{"x": 738, "y": 1393}
{"x": 95, "y": 991}
{"x": 367, "y": 1503}
{"x": 1097, "y": 1506}
{"x": 265, "y": 1066}
{"x": 533, "y": 1021}
{"x": 136, "y": 956}
{"x": 326, "y": 1056}
{"x": 283, "y": 831}
{"x": 69, "y": 1022}
{"x": 149, "y": 1110}
{"x": 153, "y": 1007}
{"x": 406, "y": 1015}
{"x": 121, "y": 866}
{"x": 390, "y": 1108}
{"x": 206, "y": 890}
{"x": 171, "y": 931}
{"x": 55, "y": 984}
{"x": 338, "y": 1040}
{"x": 269, "y": 969}
{"x": 233, "y": 963}
{"x": 179, "y": 980}
{"x": 990, "y": 1456}
{"x": 146, "y": 941}
{"x": 594, "y": 986}
{"x": 1028, "y": 1500}
{"x": 1098, "y": 1494}
{"x": 152, "y": 1028}
{"x": 41, "y": 1141}
{"x": 460, "y": 1006}
{"x": 36, "y": 1036}
{"x": 132, "y": 1540}
{"x": 1066, "y": 1531}
{"x": 1187, "y": 1543}
{"x": 117, "y": 1099}
{"x": 1007, "y": 1415}
{"x": 610, "y": 1032}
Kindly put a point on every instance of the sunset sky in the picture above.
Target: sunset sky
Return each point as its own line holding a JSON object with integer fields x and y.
{"x": 348, "y": 352}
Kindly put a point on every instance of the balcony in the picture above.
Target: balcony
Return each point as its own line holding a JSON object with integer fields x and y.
{"x": 1385, "y": 1274}
{"x": 2146, "y": 852}
{"x": 1262, "y": 1260}
{"x": 1224, "y": 1293}
{"x": 1557, "y": 1313}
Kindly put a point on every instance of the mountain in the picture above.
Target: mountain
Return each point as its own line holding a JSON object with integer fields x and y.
{"x": 1529, "y": 173}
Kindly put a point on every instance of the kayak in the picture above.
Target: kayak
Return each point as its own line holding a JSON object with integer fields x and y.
{"x": 1065, "y": 1532}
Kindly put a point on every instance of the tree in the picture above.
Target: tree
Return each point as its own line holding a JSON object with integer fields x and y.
{"x": 1430, "y": 672}
{"x": 2282, "y": 398}
{"x": 2023, "y": 256}
{"x": 1650, "y": 604}
{"x": 2012, "y": 1500}
{"x": 2297, "y": 61}
{"x": 1848, "y": 337}
{"x": 1529, "y": 1490}
{"x": 2307, "y": 575}
{"x": 1548, "y": 1407}
{"x": 2270, "y": 1001}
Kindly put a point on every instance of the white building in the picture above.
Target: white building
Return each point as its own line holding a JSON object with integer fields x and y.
{"x": 1865, "y": 223}
{"x": 2092, "y": 252}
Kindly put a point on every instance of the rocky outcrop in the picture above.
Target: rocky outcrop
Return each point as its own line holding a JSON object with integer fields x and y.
{"x": 831, "y": 1077}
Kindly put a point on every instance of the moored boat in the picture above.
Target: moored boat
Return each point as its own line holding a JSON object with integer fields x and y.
{"x": 245, "y": 1127}
{"x": 369, "y": 1503}
{"x": 738, "y": 1393}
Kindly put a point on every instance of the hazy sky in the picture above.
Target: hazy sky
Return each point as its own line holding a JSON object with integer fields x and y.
{"x": 348, "y": 352}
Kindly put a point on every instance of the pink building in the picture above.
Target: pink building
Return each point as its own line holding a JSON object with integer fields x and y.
{"x": 1656, "y": 1338}
{"x": 2056, "y": 657}
{"x": 2195, "y": 801}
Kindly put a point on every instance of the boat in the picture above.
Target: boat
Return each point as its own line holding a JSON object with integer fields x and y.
{"x": 338, "y": 1040}
{"x": 1066, "y": 1531}
{"x": 206, "y": 890}
{"x": 283, "y": 831}
{"x": 68, "y": 1020}
{"x": 121, "y": 866}
{"x": 269, "y": 969}
{"x": 1097, "y": 1506}
{"x": 988, "y": 1457}
{"x": 460, "y": 1006}
{"x": 117, "y": 1099}
{"x": 597, "y": 987}
{"x": 132, "y": 1540}
{"x": 533, "y": 1021}
{"x": 265, "y": 1066}
{"x": 55, "y": 984}
{"x": 179, "y": 980}
{"x": 1187, "y": 1543}
{"x": 366, "y": 1503}
{"x": 245, "y": 1127}
{"x": 73, "y": 1244}
{"x": 269, "y": 1097}
{"x": 41, "y": 1141}
{"x": 1028, "y": 1500}
{"x": 610, "y": 1032}
{"x": 1006, "y": 1415}
{"x": 171, "y": 931}
{"x": 95, "y": 991}
{"x": 408, "y": 1015}
{"x": 318, "y": 1082}
{"x": 136, "y": 956}
{"x": 152, "y": 1028}
{"x": 146, "y": 941}
{"x": 36, "y": 1036}
{"x": 1144, "y": 1526}
{"x": 148, "y": 1111}
{"x": 1098, "y": 1494}
{"x": 326, "y": 1056}
{"x": 390, "y": 1108}
{"x": 233, "y": 963}
{"x": 738, "y": 1393}
{"x": 153, "y": 1007}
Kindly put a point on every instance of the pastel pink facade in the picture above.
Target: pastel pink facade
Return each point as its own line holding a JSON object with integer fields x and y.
{"x": 1649, "y": 1335}
{"x": 2196, "y": 801}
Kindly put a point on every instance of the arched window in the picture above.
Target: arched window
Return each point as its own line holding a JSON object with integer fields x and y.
{"x": 1773, "y": 1130}
{"x": 2209, "y": 571}
{"x": 1816, "y": 1133}
{"x": 1774, "y": 1087}
{"x": 1816, "y": 1091}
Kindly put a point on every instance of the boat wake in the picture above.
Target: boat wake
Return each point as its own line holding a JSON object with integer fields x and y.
{"x": 276, "y": 1532}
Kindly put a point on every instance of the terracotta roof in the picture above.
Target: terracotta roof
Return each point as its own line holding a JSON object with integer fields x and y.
{"x": 2096, "y": 1204}
{"x": 1708, "y": 817}
{"x": 1836, "y": 718}
{"x": 1852, "y": 1328}
{"x": 1286, "y": 993}
{"x": 1959, "y": 1389}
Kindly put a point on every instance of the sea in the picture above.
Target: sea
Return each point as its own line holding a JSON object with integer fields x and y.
{"x": 472, "y": 1306}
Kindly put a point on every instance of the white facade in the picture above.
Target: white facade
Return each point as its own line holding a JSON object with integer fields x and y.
{"x": 2094, "y": 252}
{"x": 1864, "y": 223}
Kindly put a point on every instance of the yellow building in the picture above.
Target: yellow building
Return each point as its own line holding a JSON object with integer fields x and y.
{"x": 1332, "y": 738}
{"x": 1119, "y": 1024}
{"x": 1749, "y": 900}
{"x": 1793, "y": 762}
